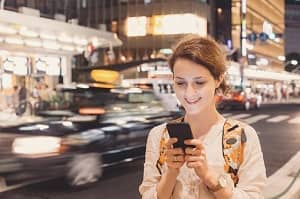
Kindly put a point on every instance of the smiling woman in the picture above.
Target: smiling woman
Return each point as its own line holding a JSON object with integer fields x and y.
{"x": 209, "y": 168}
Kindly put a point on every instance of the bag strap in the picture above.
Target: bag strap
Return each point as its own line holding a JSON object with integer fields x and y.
{"x": 233, "y": 144}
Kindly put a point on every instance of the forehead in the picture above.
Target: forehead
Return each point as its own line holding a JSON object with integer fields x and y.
{"x": 185, "y": 67}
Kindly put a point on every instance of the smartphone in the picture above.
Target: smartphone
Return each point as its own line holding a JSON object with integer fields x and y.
{"x": 182, "y": 131}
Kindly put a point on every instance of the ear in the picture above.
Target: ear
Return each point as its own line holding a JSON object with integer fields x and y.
{"x": 219, "y": 81}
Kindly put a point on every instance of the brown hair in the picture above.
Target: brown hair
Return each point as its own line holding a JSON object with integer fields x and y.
{"x": 203, "y": 51}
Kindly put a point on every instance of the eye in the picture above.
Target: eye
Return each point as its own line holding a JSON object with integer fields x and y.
{"x": 180, "y": 83}
{"x": 200, "y": 83}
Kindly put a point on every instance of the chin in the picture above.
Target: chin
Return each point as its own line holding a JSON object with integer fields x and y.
{"x": 193, "y": 110}
{"x": 199, "y": 108}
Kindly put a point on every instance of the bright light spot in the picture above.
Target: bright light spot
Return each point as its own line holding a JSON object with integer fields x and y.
{"x": 36, "y": 145}
{"x": 281, "y": 58}
{"x": 166, "y": 51}
{"x": 250, "y": 46}
{"x": 262, "y": 62}
{"x": 67, "y": 124}
{"x": 82, "y": 86}
{"x": 251, "y": 56}
{"x": 14, "y": 40}
{"x": 136, "y": 26}
{"x": 294, "y": 62}
{"x": 277, "y": 39}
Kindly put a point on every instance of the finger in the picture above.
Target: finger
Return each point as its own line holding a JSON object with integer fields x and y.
{"x": 193, "y": 151}
{"x": 175, "y": 151}
{"x": 190, "y": 158}
{"x": 196, "y": 164}
{"x": 195, "y": 142}
{"x": 170, "y": 142}
{"x": 175, "y": 164}
{"x": 174, "y": 159}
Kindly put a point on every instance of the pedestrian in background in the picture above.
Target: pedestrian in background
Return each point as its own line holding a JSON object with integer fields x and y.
{"x": 198, "y": 67}
{"x": 22, "y": 93}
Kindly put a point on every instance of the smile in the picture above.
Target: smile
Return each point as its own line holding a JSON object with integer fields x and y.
{"x": 193, "y": 101}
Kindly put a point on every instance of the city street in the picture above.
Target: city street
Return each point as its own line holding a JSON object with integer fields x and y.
{"x": 277, "y": 126}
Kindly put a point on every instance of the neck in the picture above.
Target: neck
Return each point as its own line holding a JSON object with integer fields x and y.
{"x": 202, "y": 122}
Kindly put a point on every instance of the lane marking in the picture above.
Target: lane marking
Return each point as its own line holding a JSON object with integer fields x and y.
{"x": 5, "y": 188}
{"x": 240, "y": 116}
{"x": 255, "y": 118}
{"x": 226, "y": 114}
{"x": 278, "y": 118}
{"x": 295, "y": 120}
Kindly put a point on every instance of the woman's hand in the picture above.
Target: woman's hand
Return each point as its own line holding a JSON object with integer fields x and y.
{"x": 174, "y": 156}
{"x": 196, "y": 158}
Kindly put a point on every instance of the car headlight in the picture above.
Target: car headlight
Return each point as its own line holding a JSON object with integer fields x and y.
{"x": 37, "y": 145}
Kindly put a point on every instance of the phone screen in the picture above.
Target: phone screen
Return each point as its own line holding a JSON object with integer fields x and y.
{"x": 182, "y": 131}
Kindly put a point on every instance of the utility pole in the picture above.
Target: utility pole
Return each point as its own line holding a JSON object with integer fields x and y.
{"x": 243, "y": 39}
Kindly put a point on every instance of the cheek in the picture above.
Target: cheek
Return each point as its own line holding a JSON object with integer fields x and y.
{"x": 178, "y": 92}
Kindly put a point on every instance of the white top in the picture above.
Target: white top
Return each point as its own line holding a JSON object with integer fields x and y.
{"x": 252, "y": 172}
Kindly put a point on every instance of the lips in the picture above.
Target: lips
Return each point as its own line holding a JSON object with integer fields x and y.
{"x": 192, "y": 101}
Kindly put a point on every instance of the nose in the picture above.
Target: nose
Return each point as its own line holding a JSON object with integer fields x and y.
{"x": 190, "y": 90}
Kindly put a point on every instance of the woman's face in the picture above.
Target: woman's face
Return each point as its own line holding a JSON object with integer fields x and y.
{"x": 194, "y": 86}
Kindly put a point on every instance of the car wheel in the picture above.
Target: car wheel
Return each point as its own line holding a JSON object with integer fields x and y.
{"x": 84, "y": 169}
{"x": 247, "y": 105}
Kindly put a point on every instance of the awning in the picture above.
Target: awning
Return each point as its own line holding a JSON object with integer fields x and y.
{"x": 25, "y": 33}
{"x": 121, "y": 66}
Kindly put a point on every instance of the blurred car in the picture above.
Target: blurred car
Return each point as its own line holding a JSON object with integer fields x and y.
{"x": 239, "y": 98}
{"x": 106, "y": 127}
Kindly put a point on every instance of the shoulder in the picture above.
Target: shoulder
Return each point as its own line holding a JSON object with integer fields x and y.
{"x": 155, "y": 135}
{"x": 249, "y": 131}
{"x": 157, "y": 130}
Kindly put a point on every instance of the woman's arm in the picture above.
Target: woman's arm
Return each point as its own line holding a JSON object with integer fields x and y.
{"x": 166, "y": 184}
{"x": 155, "y": 185}
{"x": 196, "y": 159}
{"x": 252, "y": 172}
{"x": 151, "y": 174}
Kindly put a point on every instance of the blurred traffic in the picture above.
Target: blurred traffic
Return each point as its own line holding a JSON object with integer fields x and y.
{"x": 94, "y": 129}
{"x": 82, "y": 82}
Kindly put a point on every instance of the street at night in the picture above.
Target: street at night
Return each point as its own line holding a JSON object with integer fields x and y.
{"x": 276, "y": 124}
{"x": 82, "y": 83}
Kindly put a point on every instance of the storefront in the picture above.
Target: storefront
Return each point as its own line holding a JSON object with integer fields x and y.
{"x": 277, "y": 85}
{"x": 36, "y": 53}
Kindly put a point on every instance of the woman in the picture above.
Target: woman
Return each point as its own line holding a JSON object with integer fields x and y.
{"x": 198, "y": 67}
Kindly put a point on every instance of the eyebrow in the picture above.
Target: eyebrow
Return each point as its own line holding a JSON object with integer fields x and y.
{"x": 195, "y": 78}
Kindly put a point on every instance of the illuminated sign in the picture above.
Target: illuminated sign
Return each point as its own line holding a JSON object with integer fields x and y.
{"x": 17, "y": 65}
{"x": 166, "y": 25}
{"x": 136, "y": 26}
{"x": 105, "y": 76}
{"x": 189, "y": 23}
{"x": 48, "y": 65}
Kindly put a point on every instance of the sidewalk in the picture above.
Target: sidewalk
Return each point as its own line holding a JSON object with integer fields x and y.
{"x": 283, "y": 101}
{"x": 9, "y": 118}
{"x": 285, "y": 182}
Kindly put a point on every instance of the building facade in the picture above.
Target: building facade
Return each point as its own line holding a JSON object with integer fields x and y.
{"x": 264, "y": 29}
{"x": 292, "y": 32}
